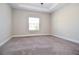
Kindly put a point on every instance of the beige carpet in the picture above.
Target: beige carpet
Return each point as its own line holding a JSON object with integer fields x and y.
{"x": 39, "y": 45}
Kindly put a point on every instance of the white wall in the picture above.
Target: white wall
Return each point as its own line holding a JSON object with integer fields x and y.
{"x": 5, "y": 22}
{"x": 65, "y": 22}
{"x": 20, "y": 22}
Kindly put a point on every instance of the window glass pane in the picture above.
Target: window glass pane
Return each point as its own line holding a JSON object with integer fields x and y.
{"x": 33, "y": 23}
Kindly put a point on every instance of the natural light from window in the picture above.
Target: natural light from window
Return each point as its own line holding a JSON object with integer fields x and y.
{"x": 34, "y": 24}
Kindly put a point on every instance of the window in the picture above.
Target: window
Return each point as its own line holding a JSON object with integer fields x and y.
{"x": 33, "y": 24}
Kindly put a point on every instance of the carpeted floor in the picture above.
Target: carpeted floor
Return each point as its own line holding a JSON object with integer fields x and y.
{"x": 39, "y": 45}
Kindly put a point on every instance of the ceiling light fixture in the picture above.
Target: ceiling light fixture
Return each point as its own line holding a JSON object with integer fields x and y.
{"x": 42, "y": 3}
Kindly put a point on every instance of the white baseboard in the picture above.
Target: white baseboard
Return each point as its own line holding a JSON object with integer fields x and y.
{"x": 7, "y": 39}
{"x": 29, "y": 35}
{"x": 65, "y": 38}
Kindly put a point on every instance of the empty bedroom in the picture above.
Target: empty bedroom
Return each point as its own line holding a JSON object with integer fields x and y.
{"x": 39, "y": 28}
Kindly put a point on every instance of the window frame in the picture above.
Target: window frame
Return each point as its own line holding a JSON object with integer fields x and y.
{"x": 28, "y": 24}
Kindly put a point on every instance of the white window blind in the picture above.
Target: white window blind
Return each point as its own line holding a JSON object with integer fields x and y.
{"x": 33, "y": 24}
